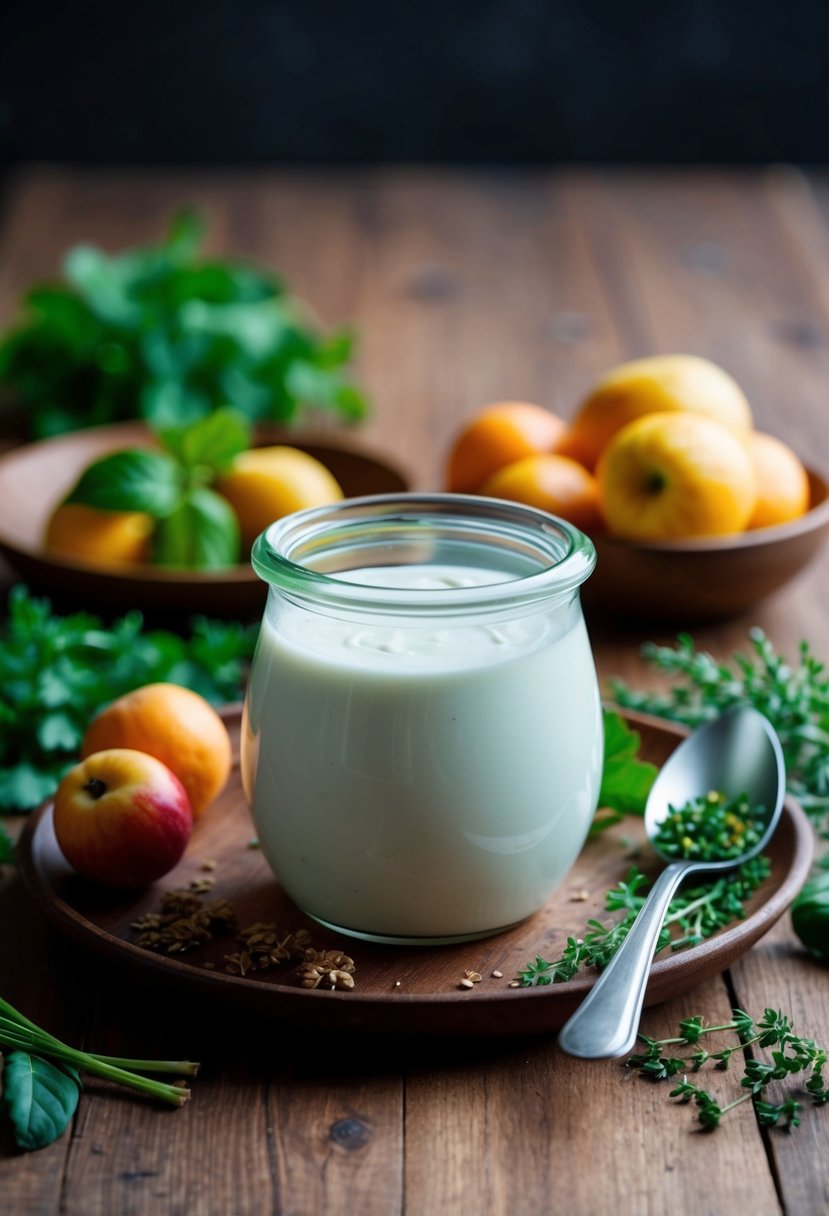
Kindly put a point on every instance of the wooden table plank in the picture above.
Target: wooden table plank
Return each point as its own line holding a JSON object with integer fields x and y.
{"x": 465, "y": 287}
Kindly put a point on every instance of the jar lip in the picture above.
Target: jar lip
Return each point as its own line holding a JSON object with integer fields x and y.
{"x": 571, "y": 554}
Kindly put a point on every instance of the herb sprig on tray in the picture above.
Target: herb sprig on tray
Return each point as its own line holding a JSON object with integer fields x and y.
{"x": 167, "y": 335}
{"x": 692, "y": 916}
{"x": 792, "y": 1055}
{"x": 57, "y": 671}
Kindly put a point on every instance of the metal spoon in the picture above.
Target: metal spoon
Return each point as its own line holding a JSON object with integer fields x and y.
{"x": 737, "y": 753}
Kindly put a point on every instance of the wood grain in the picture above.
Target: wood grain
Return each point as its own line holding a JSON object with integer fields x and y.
{"x": 466, "y": 287}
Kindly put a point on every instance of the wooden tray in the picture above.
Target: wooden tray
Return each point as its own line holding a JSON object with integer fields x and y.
{"x": 397, "y": 990}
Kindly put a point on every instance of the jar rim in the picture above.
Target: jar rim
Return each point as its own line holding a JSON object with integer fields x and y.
{"x": 566, "y": 556}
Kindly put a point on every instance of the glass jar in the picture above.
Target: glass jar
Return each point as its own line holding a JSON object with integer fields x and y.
{"x": 422, "y": 739}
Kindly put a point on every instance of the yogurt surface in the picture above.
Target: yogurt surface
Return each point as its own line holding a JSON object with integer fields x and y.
{"x": 422, "y": 778}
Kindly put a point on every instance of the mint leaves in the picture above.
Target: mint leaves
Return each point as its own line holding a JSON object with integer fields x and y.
{"x": 166, "y": 335}
{"x": 56, "y": 672}
{"x": 196, "y": 529}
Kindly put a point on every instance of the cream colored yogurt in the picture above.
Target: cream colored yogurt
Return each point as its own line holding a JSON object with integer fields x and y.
{"x": 422, "y": 780}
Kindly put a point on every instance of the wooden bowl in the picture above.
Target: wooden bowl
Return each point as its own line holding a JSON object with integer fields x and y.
{"x": 36, "y": 477}
{"x": 710, "y": 578}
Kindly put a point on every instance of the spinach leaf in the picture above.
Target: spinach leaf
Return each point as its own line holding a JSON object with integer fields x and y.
{"x": 40, "y": 1097}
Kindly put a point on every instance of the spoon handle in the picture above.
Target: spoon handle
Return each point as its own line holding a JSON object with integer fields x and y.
{"x": 607, "y": 1021}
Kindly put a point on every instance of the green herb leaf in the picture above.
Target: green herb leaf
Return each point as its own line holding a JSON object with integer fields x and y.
{"x": 626, "y": 781}
{"x": 40, "y": 1098}
{"x": 132, "y": 480}
{"x": 201, "y": 534}
{"x": 212, "y": 442}
{"x": 810, "y": 914}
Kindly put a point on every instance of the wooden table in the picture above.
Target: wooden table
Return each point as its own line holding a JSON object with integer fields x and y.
{"x": 466, "y": 287}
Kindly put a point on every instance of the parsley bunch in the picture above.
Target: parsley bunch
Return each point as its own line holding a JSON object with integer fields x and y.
{"x": 791, "y": 1055}
{"x": 56, "y": 672}
{"x": 169, "y": 336}
{"x": 692, "y": 916}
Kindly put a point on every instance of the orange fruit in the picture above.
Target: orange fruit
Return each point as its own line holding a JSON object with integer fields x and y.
{"x": 782, "y": 482}
{"x": 676, "y": 475}
{"x": 175, "y": 725}
{"x": 655, "y": 385}
{"x": 499, "y": 435}
{"x": 263, "y": 484}
{"x": 99, "y": 536}
{"x": 552, "y": 483}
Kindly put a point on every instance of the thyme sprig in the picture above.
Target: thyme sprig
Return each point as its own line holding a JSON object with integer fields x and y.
{"x": 791, "y": 1055}
{"x": 692, "y": 916}
{"x": 794, "y": 698}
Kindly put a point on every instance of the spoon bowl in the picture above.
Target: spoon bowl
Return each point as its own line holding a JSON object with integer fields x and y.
{"x": 737, "y": 753}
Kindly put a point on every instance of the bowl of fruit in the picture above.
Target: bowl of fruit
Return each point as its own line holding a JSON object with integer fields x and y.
{"x": 695, "y": 513}
{"x": 121, "y": 516}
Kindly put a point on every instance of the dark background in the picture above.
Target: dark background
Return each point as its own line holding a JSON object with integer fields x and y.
{"x": 255, "y": 81}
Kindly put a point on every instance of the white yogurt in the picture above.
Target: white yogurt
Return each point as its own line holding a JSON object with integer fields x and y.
{"x": 428, "y": 780}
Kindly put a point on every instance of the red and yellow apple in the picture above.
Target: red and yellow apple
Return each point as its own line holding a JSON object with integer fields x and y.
{"x": 122, "y": 818}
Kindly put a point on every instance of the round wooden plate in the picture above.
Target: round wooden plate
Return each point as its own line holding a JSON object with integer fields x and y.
{"x": 397, "y": 990}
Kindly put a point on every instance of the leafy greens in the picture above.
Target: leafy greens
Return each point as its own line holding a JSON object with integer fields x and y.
{"x": 166, "y": 335}
{"x": 56, "y": 672}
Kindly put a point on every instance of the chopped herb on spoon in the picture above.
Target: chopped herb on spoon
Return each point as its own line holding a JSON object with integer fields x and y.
{"x": 712, "y": 827}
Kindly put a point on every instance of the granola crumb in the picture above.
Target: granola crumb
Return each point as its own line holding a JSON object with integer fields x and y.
{"x": 474, "y": 976}
{"x": 210, "y": 864}
{"x": 579, "y": 897}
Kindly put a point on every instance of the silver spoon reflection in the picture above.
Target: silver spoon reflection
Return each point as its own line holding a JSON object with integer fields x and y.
{"x": 738, "y": 753}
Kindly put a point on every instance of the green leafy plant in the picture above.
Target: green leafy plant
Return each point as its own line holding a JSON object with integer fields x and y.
{"x": 164, "y": 334}
{"x": 626, "y": 780}
{"x": 57, "y": 671}
{"x": 41, "y": 1078}
{"x": 810, "y": 914}
{"x": 791, "y": 1055}
{"x": 795, "y": 699}
{"x": 692, "y": 916}
{"x": 195, "y": 528}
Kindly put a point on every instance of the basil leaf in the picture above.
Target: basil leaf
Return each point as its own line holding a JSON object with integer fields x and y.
{"x": 39, "y": 1097}
{"x": 626, "y": 781}
{"x": 132, "y": 480}
{"x": 201, "y": 534}
{"x": 213, "y": 442}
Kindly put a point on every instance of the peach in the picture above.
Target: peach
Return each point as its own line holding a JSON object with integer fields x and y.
{"x": 122, "y": 818}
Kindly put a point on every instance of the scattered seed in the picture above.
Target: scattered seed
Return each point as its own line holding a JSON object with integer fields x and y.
{"x": 579, "y": 897}
{"x": 515, "y": 983}
{"x": 467, "y": 984}
{"x": 497, "y": 975}
{"x": 397, "y": 984}
{"x": 209, "y": 865}
{"x": 474, "y": 976}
